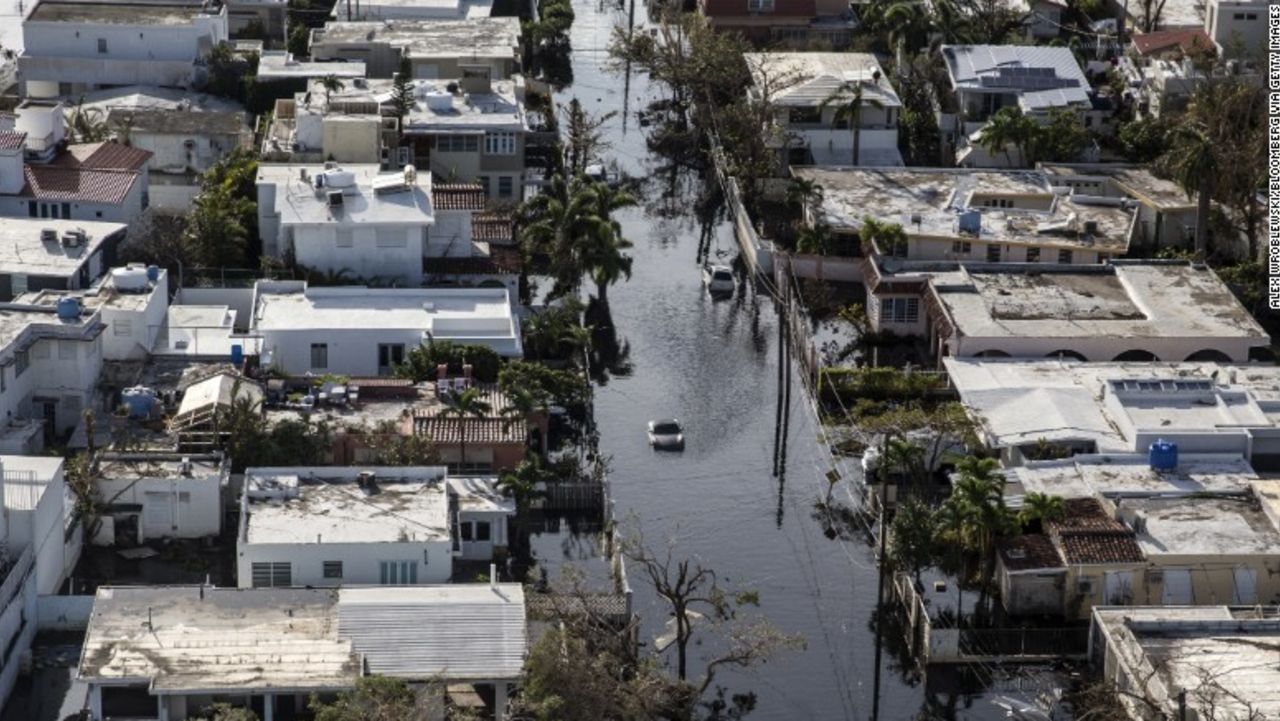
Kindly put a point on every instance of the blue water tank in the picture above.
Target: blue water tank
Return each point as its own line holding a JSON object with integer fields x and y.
{"x": 68, "y": 308}
{"x": 1163, "y": 455}
{"x": 139, "y": 401}
{"x": 970, "y": 222}
{"x": 237, "y": 354}
{"x": 153, "y": 273}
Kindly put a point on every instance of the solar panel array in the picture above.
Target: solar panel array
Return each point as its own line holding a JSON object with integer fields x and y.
{"x": 1024, "y": 78}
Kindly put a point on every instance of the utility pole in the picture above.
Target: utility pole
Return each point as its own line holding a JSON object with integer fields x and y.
{"x": 782, "y": 342}
{"x": 880, "y": 621}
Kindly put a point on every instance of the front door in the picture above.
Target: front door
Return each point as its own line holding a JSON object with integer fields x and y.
{"x": 390, "y": 355}
{"x": 1177, "y": 587}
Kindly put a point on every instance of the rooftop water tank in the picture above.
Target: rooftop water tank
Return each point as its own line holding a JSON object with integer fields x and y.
{"x": 970, "y": 222}
{"x": 68, "y": 308}
{"x": 1163, "y": 455}
{"x": 439, "y": 101}
{"x": 130, "y": 280}
{"x": 153, "y": 273}
{"x": 339, "y": 178}
{"x": 237, "y": 353}
{"x": 140, "y": 401}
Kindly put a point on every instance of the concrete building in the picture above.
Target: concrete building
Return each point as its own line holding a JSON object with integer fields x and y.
{"x": 270, "y": 649}
{"x": 268, "y": 15}
{"x": 436, "y": 48}
{"x": 340, "y": 526}
{"x": 42, "y": 543}
{"x": 1122, "y": 311}
{"x": 1166, "y": 216}
{"x": 986, "y": 78}
{"x": 366, "y": 332}
{"x": 151, "y": 495}
{"x": 796, "y": 23}
{"x": 71, "y": 47}
{"x": 355, "y": 219}
{"x": 1209, "y": 662}
{"x": 1238, "y": 27}
{"x": 409, "y": 10}
{"x": 183, "y": 145}
{"x": 1121, "y": 408}
{"x": 279, "y": 66}
{"x": 52, "y": 254}
{"x": 807, "y": 92}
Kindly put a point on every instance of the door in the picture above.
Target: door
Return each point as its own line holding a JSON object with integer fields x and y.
{"x": 1177, "y": 587}
{"x": 157, "y": 514}
{"x": 1118, "y": 588}
{"x": 1245, "y": 582}
{"x": 390, "y": 355}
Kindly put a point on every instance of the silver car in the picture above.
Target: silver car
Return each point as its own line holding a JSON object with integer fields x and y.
{"x": 666, "y": 435}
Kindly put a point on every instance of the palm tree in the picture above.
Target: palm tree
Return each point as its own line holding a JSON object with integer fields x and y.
{"x": 558, "y": 222}
{"x": 331, "y": 84}
{"x": 521, "y": 485}
{"x": 522, "y": 405}
{"x": 603, "y": 252}
{"x": 905, "y": 457}
{"x": 803, "y": 191}
{"x": 910, "y": 28}
{"x": 814, "y": 240}
{"x": 979, "y": 488}
{"x": 468, "y": 404}
{"x": 850, "y": 100}
{"x": 1008, "y": 126}
{"x": 885, "y": 238}
{"x": 1040, "y": 507}
{"x": 951, "y": 520}
{"x": 1193, "y": 162}
{"x": 88, "y": 125}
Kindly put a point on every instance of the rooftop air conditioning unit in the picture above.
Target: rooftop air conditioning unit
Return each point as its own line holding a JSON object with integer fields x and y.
{"x": 335, "y": 198}
{"x": 49, "y": 235}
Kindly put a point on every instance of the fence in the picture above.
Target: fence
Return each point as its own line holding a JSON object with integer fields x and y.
{"x": 931, "y": 645}
{"x": 758, "y": 252}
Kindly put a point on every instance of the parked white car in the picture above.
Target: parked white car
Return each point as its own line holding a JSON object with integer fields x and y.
{"x": 718, "y": 278}
{"x": 666, "y": 434}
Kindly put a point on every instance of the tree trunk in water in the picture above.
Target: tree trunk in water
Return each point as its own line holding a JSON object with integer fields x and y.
{"x": 602, "y": 292}
{"x": 857, "y": 139}
{"x": 1202, "y": 220}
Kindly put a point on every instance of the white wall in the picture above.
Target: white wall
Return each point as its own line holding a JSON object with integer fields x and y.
{"x": 360, "y": 561}
{"x": 368, "y": 256}
{"x": 171, "y": 507}
{"x": 1237, "y": 23}
{"x": 352, "y": 351}
{"x": 450, "y": 236}
{"x": 131, "y": 333}
{"x": 1099, "y": 349}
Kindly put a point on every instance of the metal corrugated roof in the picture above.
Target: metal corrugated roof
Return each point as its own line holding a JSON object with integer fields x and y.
{"x": 454, "y": 632}
{"x": 1042, "y": 77}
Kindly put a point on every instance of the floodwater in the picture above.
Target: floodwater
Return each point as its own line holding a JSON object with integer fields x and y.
{"x": 713, "y": 365}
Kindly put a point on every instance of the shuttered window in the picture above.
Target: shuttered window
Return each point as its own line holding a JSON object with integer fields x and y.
{"x": 272, "y": 574}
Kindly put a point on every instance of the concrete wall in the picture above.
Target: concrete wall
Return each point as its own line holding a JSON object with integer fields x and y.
{"x": 239, "y": 300}
{"x": 368, "y": 252}
{"x": 171, "y": 507}
{"x": 131, "y": 334}
{"x": 1237, "y": 24}
{"x": 1030, "y": 593}
{"x": 64, "y": 613}
{"x": 17, "y": 621}
{"x": 1100, "y": 348}
{"x": 360, "y": 561}
{"x": 945, "y": 249}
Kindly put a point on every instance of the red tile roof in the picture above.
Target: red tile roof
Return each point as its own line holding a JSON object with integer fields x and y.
{"x": 491, "y": 228}
{"x": 52, "y": 182}
{"x": 1087, "y": 534}
{"x": 1186, "y": 40}
{"x": 479, "y": 430}
{"x": 458, "y": 196}
{"x": 104, "y": 156}
{"x": 11, "y": 139}
{"x": 1029, "y": 552}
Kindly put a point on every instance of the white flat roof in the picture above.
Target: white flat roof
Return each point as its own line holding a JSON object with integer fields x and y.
{"x": 281, "y": 65}
{"x": 937, "y": 195}
{"x": 1021, "y": 401}
{"x": 1228, "y": 655}
{"x": 187, "y": 639}
{"x": 117, "y": 466}
{"x": 464, "y": 315}
{"x": 1128, "y": 299}
{"x": 299, "y": 203}
{"x": 1130, "y": 474}
{"x": 469, "y": 38}
{"x": 1201, "y": 527}
{"x": 810, "y": 79}
{"x": 23, "y": 251}
{"x": 410, "y": 504}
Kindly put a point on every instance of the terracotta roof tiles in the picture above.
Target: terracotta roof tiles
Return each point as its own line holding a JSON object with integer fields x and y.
{"x": 1186, "y": 40}
{"x": 52, "y": 182}
{"x": 1029, "y": 552}
{"x": 12, "y": 139}
{"x": 104, "y": 156}
{"x": 1087, "y": 534}
{"x": 458, "y": 196}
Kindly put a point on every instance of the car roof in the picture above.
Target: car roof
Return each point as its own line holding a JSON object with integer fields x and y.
{"x": 665, "y": 420}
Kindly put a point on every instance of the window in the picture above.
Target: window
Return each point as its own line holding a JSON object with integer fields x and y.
{"x": 760, "y": 6}
{"x": 32, "y": 209}
{"x": 961, "y": 247}
{"x": 899, "y": 310}
{"x": 482, "y": 531}
{"x": 18, "y": 283}
{"x": 20, "y": 363}
{"x": 272, "y": 574}
{"x": 392, "y": 239}
{"x": 1084, "y": 586}
{"x": 1033, "y": 255}
{"x": 997, "y": 203}
{"x": 993, "y": 253}
{"x": 102, "y": 46}
{"x": 1064, "y": 257}
{"x": 320, "y": 356}
{"x": 484, "y": 183}
{"x": 457, "y": 143}
{"x": 333, "y": 569}
{"x": 66, "y": 210}
{"x": 505, "y": 186}
{"x": 346, "y": 238}
{"x": 122, "y": 326}
{"x": 390, "y": 355}
{"x": 67, "y": 350}
{"x": 500, "y": 143}
{"x": 398, "y": 573}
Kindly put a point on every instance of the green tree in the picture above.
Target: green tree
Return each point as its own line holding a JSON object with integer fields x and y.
{"x": 225, "y": 712}
{"x": 331, "y": 84}
{"x": 1040, "y": 507}
{"x": 402, "y": 100}
{"x": 604, "y": 253}
{"x": 815, "y": 239}
{"x": 1193, "y": 162}
{"x": 375, "y": 698}
{"x": 87, "y": 125}
{"x": 584, "y": 141}
{"x": 1061, "y": 140}
{"x": 1008, "y": 127}
{"x": 1144, "y": 140}
{"x": 886, "y": 238}
{"x": 906, "y": 458}
{"x": 422, "y": 363}
{"x": 850, "y": 99}
{"x": 910, "y": 27}
{"x": 561, "y": 387}
{"x": 299, "y": 44}
{"x": 979, "y": 490}
{"x": 222, "y": 227}
{"x": 556, "y": 332}
{"x": 463, "y": 407}
{"x": 521, "y": 485}
{"x": 912, "y": 535}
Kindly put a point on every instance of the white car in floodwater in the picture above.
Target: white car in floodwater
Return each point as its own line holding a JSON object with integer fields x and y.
{"x": 666, "y": 435}
{"x": 718, "y": 279}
